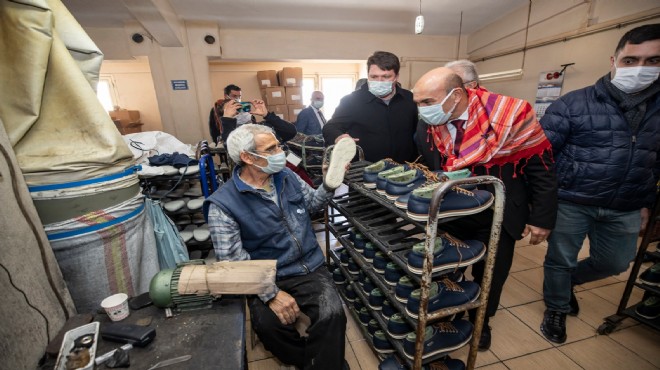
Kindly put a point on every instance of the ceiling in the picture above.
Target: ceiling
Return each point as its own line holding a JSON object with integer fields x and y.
{"x": 442, "y": 17}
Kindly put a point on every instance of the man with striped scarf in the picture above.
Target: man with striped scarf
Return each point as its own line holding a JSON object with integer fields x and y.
{"x": 490, "y": 134}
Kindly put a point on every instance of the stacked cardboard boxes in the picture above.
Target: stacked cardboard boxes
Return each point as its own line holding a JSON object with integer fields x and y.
{"x": 282, "y": 91}
{"x": 127, "y": 121}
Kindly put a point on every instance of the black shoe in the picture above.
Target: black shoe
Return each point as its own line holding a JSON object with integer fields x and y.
{"x": 554, "y": 326}
{"x": 575, "y": 307}
{"x": 484, "y": 340}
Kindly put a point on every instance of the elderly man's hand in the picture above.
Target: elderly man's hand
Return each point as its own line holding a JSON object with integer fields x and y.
{"x": 539, "y": 234}
{"x": 285, "y": 307}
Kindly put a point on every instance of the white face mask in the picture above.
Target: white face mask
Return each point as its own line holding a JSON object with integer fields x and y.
{"x": 318, "y": 104}
{"x": 634, "y": 79}
{"x": 243, "y": 118}
{"x": 380, "y": 88}
{"x": 434, "y": 114}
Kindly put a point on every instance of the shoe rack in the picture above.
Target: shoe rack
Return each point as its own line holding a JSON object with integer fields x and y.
{"x": 187, "y": 187}
{"x": 393, "y": 233}
{"x": 625, "y": 309}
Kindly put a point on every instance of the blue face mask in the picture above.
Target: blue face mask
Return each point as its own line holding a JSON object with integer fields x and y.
{"x": 276, "y": 162}
{"x": 435, "y": 115}
{"x": 380, "y": 88}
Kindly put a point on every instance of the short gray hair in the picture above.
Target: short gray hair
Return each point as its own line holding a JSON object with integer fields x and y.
{"x": 465, "y": 69}
{"x": 242, "y": 140}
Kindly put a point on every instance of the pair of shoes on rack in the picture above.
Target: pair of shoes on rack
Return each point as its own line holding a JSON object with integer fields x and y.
{"x": 440, "y": 338}
{"x": 443, "y": 294}
{"x": 448, "y": 253}
{"x": 651, "y": 276}
{"x": 391, "y": 363}
{"x": 649, "y": 308}
{"x": 457, "y": 201}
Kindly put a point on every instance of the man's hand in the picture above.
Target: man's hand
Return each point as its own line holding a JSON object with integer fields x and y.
{"x": 644, "y": 213}
{"x": 259, "y": 108}
{"x": 285, "y": 307}
{"x": 539, "y": 234}
{"x": 231, "y": 109}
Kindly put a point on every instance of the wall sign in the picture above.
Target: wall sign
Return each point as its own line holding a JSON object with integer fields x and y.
{"x": 179, "y": 84}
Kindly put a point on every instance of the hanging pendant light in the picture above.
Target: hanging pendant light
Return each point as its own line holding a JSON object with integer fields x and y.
{"x": 419, "y": 21}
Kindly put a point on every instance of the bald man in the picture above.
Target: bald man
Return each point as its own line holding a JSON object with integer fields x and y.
{"x": 455, "y": 132}
{"x": 311, "y": 120}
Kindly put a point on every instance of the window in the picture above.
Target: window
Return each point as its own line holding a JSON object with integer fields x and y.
{"x": 334, "y": 88}
{"x": 105, "y": 91}
{"x": 308, "y": 87}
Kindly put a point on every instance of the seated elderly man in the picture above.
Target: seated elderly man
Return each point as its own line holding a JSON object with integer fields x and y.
{"x": 262, "y": 212}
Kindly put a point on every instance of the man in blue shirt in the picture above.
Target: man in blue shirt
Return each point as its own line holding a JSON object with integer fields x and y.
{"x": 311, "y": 120}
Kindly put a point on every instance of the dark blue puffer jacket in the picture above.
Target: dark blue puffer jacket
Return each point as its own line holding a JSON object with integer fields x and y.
{"x": 599, "y": 160}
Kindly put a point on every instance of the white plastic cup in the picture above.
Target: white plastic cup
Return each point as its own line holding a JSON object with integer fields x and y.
{"x": 116, "y": 306}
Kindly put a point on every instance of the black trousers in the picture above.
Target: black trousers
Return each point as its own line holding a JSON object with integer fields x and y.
{"x": 477, "y": 227}
{"x": 317, "y": 297}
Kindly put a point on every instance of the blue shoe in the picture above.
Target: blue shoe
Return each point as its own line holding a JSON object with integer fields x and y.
{"x": 370, "y": 173}
{"x": 376, "y": 299}
{"x": 338, "y": 277}
{"x": 351, "y": 234}
{"x": 350, "y": 293}
{"x": 391, "y": 363}
{"x": 456, "y": 202}
{"x": 372, "y": 327}
{"x": 440, "y": 338}
{"x": 449, "y": 253}
{"x": 381, "y": 344}
{"x": 397, "y": 328}
{"x": 344, "y": 257}
{"x": 432, "y": 178}
{"x": 380, "y": 262}
{"x": 353, "y": 267}
{"x": 404, "y": 288}
{"x": 364, "y": 316}
{"x": 388, "y": 310}
{"x": 358, "y": 305}
{"x": 367, "y": 286}
{"x": 442, "y": 295}
{"x": 369, "y": 252}
{"x": 381, "y": 180}
{"x": 403, "y": 183}
{"x": 392, "y": 273}
{"x": 360, "y": 241}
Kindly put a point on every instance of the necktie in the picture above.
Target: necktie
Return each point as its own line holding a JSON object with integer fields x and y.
{"x": 322, "y": 118}
{"x": 460, "y": 131}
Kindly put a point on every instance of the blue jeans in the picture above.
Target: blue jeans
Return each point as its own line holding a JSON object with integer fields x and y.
{"x": 612, "y": 246}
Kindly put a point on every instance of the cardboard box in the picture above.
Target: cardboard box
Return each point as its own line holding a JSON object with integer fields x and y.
{"x": 267, "y": 78}
{"x": 293, "y": 95}
{"x": 128, "y": 127}
{"x": 281, "y": 111}
{"x": 291, "y": 76}
{"x": 294, "y": 110}
{"x": 263, "y": 94}
{"x": 126, "y": 116}
{"x": 275, "y": 96}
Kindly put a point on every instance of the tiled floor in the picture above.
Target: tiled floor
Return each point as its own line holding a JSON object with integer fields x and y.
{"x": 517, "y": 341}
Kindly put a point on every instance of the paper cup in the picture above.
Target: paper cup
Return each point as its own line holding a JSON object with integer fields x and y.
{"x": 116, "y": 306}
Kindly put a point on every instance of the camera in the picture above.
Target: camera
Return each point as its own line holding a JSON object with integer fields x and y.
{"x": 245, "y": 107}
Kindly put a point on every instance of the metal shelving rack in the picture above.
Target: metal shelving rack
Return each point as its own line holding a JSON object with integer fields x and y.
{"x": 394, "y": 233}
{"x": 651, "y": 235}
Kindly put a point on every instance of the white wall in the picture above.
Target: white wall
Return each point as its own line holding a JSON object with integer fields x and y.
{"x": 551, "y": 20}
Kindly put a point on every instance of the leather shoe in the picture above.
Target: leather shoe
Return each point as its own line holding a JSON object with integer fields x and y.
{"x": 575, "y": 306}
{"x": 554, "y": 326}
{"x": 484, "y": 340}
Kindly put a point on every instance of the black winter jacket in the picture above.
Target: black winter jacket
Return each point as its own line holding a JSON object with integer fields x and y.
{"x": 385, "y": 131}
{"x": 599, "y": 160}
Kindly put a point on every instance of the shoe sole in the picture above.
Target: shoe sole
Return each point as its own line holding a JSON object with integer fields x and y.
{"x": 463, "y": 263}
{"x": 403, "y": 206}
{"x": 454, "y": 213}
{"x": 442, "y": 350}
{"x": 369, "y": 185}
{"x": 650, "y": 283}
{"x": 342, "y": 154}
{"x": 397, "y": 336}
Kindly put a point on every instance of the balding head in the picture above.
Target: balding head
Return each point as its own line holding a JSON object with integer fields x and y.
{"x": 467, "y": 71}
{"x": 435, "y": 85}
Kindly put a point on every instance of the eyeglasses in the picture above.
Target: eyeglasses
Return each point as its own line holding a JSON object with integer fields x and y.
{"x": 277, "y": 149}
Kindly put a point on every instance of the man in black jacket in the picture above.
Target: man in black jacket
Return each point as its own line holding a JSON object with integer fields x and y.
{"x": 380, "y": 115}
{"x": 528, "y": 176}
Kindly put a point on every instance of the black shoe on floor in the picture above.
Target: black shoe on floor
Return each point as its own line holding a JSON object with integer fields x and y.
{"x": 484, "y": 340}
{"x": 554, "y": 326}
{"x": 575, "y": 306}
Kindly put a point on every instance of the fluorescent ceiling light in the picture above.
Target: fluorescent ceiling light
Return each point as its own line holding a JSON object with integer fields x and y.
{"x": 514, "y": 74}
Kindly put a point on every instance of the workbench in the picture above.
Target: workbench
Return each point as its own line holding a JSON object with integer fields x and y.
{"x": 214, "y": 337}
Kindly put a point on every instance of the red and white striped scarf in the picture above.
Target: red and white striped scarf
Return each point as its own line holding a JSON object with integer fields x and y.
{"x": 499, "y": 130}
